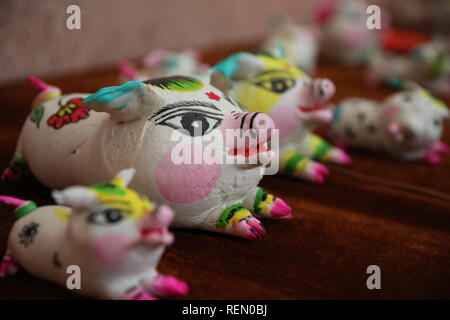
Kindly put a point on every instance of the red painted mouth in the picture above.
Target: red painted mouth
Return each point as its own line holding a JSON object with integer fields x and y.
{"x": 146, "y": 232}
{"x": 317, "y": 107}
{"x": 247, "y": 152}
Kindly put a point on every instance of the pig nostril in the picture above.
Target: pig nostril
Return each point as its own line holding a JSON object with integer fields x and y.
{"x": 262, "y": 123}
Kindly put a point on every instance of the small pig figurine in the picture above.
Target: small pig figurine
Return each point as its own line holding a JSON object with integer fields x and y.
{"x": 163, "y": 63}
{"x": 427, "y": 63}
{"x": 295, "y": 43}
{"x": 113, "y": 234}
{"x": 294, "y": 101}
{"x": 345, "y": 36}
{"x": 407, "y": 125}
{"x": 81, "y": 139}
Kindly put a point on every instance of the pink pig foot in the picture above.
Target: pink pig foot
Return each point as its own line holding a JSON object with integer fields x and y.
{"x": 249, "y": 228}
{"x": 441, "y": 148}
{"x": 318, "y": 172}
{"x": 433, "y": 158}
{"x": 281, "y": 209}
{"x": 8, "y": 266}
{"x": 339, "y": 156}
{"x": 138, "y": 293}
{"x": 169, "y": 286}
{"x": 268, "y": 206}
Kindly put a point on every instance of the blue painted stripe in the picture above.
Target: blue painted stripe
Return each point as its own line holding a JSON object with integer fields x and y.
{"x": 228, "y": 66}
{"x": 110, "y": 94}
{"x": 337, "y": 112}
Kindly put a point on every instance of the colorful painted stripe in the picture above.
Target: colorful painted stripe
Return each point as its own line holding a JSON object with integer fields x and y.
{"x": 319, "y": 147}
{"x": 292, "y": 161}
{"x": 24, "y": 209}
{"x": 229, "y": 213}
{"x": 260, "y": 197}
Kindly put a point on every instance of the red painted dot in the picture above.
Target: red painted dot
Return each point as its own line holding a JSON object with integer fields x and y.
{"x": 213, "y": 96}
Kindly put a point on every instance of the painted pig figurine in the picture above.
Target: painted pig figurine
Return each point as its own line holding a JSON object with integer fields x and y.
{"x": 345, "y": 36}
{"x": 298, "y": 44}
{"x": 81, "y": 139}
{"x": 407, "y": 125}
{"x": 113, "y": 234}
{"x": 163, "y": 63}
{"x": 295, "y": 102}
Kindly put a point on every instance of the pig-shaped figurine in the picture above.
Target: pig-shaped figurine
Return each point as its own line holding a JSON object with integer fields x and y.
{"x": 295, "y": 102}
{"x": 163, "y": 63}
{"x": 80, "y": 139}
{"x": 114, "y": 235}
{"x": 427, "y": 63}
{"x": 407, "y": 125}
{"x": 345, "y": 36}
{"x": 298, "y": 44}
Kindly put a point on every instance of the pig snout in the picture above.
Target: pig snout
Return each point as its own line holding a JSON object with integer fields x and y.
{"x": 323, "y": 89}
{"x": 256, "y": 126}
{"x": 249, "y": 135}
{"x": 154, "y": 226}
{"x": 315, "y": 92}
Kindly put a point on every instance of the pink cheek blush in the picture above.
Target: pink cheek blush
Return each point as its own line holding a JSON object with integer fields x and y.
{"x": 112, "y": 249}
{"x": 185, "y": 183}
{"x": 286, "y": 120}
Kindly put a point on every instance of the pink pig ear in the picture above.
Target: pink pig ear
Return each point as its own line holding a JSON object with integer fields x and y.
{"x": 155, "y": 57}
{"x": 325, "y": 11}
{"x": 75, "y": 197}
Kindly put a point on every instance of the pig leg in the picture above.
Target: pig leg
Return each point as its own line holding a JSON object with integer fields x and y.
{"x": 264, "y": 204}
{"x": 9, "y": 265}
{"x": 437, "y": 152}
{"x": 297, "y": 165}
{"x": 18, "y": 168}
{"x": 235, "y": 220}
{"x": 165, "y": 285}
{"x": 320, "y": 150}
{"x": 137, "y": 293}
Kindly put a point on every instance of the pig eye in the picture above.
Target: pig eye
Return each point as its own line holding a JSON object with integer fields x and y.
{"x": 105, "y": 217}
{"x": 192, "y": 123}
{"x": 277, "y": 85}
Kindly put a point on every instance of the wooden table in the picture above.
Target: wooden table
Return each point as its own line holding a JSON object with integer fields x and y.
{"x": 379, "y": 212}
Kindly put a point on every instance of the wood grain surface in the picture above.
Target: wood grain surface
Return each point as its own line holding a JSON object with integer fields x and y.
{"x": 378, "y": 211}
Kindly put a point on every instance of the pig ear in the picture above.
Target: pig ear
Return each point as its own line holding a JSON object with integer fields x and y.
{"x": 124, "y": 177}
{"x": 75, "y": 197}
{"x": 276, "y": 51}
{"x": 125, "y": 103}
{"x": 219, "y": 80}
{"x": 155, "y": 57}
{"x": 240, "y": 66}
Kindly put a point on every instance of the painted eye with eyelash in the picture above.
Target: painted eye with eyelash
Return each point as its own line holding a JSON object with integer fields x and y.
{"x": 193, "y": 123}
{"x": 278, "y": 85}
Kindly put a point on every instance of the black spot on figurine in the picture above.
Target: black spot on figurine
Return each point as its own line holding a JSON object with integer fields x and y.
{"x": 349, "y": 132}
{"x": 361, "y": 116}
{"x": 371, "y": 128}
{"x": 29, "y": 231}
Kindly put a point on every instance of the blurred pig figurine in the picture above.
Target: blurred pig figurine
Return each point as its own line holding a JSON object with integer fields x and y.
{"x": 295, "y": 102}
{"x": 115, "y": 237}
{"x": 407, "y": 125}
{"x": 295, "y": 43}
{"x": 345, "y": 36}
{"x": 427, "y": 63}
{"x": 163, "y": 63}
{"x": 76, "y": 138}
